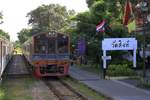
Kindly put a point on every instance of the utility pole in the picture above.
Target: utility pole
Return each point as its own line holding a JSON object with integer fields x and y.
{"x": 144, "y": 44}
{"x": 143, "y": 7}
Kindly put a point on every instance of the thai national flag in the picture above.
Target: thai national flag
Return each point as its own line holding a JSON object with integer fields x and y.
{"x": 100, "y": 27}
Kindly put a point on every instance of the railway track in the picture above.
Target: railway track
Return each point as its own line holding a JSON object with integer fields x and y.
{"x": 18, "y": 68}
{"x": 62, "y": 90}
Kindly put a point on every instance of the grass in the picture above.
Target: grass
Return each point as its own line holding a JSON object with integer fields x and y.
{"x": 18, "y": 89}
{"x": 94, "y": 68}
{"x": 2, "y": 94}
{"x": 144, "y": 83}
{"x": 83, "y": 89}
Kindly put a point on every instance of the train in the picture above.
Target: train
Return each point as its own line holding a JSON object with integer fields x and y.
{"x": 6, "y": 50}
{"x": 48, "y": 53}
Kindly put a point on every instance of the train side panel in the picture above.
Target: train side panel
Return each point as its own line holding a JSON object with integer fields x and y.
{"x": 27, "y": 50}
{"x": 5, "y": 54}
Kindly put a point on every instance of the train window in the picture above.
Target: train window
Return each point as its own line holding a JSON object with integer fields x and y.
{"x": 62, "y": 43}
{"x": 41, "y": 44}
{"x": 4, "y": 50}
{"x": 51, "y": 45}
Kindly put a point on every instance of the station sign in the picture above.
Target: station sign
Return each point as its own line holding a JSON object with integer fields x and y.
{"x": 119, "y": 44}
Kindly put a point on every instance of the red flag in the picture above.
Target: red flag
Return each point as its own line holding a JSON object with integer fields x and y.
{"x": 127, "y": 12}
{"x": 101, "y": 26}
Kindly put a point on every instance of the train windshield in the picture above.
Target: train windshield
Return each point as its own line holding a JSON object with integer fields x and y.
{"x": 51, "y": 44}
{"x": 41, "y": 44}
{"x": 62, "y": 43}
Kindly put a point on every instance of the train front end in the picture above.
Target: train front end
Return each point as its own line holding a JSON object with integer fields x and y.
{"x": 51, "y": 54}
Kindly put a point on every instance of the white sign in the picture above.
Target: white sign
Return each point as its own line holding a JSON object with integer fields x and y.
{"x": 106, "y": 57}
{"x": 119, "y": 44}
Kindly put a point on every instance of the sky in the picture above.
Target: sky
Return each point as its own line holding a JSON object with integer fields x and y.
{"x": 15, "y": 11}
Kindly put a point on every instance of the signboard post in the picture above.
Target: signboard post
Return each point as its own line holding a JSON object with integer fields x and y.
{"x": 109, "y": 44}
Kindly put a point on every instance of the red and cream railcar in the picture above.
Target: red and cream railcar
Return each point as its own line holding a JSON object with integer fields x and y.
{"x": 48, "y": 53}
{"x": 6, "y": 48}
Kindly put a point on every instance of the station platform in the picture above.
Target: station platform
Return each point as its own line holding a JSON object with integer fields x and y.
{"x": 16, "y": 66}
{"x": 112, "y": 89}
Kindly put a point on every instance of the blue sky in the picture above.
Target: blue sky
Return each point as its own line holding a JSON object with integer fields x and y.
{"x": 14, "y": 12}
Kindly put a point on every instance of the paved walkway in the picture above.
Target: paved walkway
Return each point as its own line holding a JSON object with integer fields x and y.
{"x": 113, "y": 89}
{"x": 17, "y": 66}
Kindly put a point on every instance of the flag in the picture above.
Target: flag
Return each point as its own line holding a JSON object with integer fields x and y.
{"x": 129, "y": 19}
{"x": 100, "y": 27}
{"x": 128, "y": 13}
{"x": 131, "y": 26}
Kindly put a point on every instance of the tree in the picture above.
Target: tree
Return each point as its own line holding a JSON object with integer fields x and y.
{"x": 110, "y": 10}
{"x": 17, "y": 44}
{"x": 4, "y": 34}
{"x": 85, "y": 26}
{"x": 51, "y": 17}
{"x": 91, "y": 2}
{"x": 24, "y": 35}
{"x": 1, "y": 17}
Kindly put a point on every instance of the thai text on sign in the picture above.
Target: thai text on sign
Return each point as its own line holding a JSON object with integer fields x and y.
{"x": 119, "y": 44}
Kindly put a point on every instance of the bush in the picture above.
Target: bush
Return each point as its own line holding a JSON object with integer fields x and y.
{"x": 117, "y": 61}
{"x": 94, "y": 68}
{"x": 119, "y": 70}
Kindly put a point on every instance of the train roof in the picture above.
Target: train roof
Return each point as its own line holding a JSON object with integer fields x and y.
{"x": 48, "y": 33}
{"x": 36, "y": 34}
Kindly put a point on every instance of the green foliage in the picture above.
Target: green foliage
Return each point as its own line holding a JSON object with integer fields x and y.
{"x": 85, "y": 27}
{"x": 94, "y": 68}
{"x": 83, "y": 89}
{"x": 2, "y": 93}
{"x": 98, "y": 11}
{"x": 4, "y": 34}
{"x": 93, "y": 50}
{"x": 24, "y": 35}
{"x": 52, "y": 17}
{"x": 49, "y": 17}
{"x": 110, "y": 10}
{"x": 118, "y": 31}
{"x": 90, "y": 2}
{"x": 17, "y": 44}
{"x": 1, "y": 17}
{"x": 119, "y": 70}
{"x": 144, "y": 83}
{"x": 74, "y": 38}
{"x": 118, "y": 59}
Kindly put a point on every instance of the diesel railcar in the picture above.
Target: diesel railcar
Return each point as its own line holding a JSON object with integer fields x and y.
{"x": 48, "y": 53}
{"x": 6, "y": 48}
